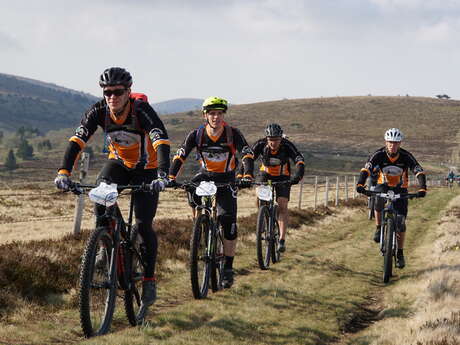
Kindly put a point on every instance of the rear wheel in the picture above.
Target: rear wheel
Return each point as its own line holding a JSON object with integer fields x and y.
{"x": 263, "y": 238}
{"x": 97, "y": 284}
{"x": 388, "y": 253}
{"x": 135, "y": 272}
{"x": 200, "y": 264}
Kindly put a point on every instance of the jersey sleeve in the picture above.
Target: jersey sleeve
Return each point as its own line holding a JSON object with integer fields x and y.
{"x": 298, "y": 159}
{"x": 371, "y": 164}
{"x": 418, "y": 171}
{"x": 152, "y": 124}
{"x": 78, "y": 141}
{"x": 182, "y": 153}
{"x": 258, "y": 148}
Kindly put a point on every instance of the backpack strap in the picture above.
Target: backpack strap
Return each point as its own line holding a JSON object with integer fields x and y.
{"x": 137, "y": 98}
{"x": 200, "y": 137}
{"x": 228, "y": 133}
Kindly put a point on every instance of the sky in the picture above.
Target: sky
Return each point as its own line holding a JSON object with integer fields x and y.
{"x": 246, "y": 51}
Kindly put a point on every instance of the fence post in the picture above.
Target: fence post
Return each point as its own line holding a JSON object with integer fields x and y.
{"x": 337, "y": 191}
{"x": 300, "y": 194}
{"x": 316, "y": 192}
{"x": 346, "y": 188}
{"x": 354, "y": 188}
{"x": 84, "y": 165}
{"x": 326, "y": 192}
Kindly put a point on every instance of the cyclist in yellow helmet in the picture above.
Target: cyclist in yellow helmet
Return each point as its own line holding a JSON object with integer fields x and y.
{"x": 216, "y": 144}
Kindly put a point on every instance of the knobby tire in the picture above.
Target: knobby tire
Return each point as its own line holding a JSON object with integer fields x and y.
{"x": 388, "y": 255}
{"x": 263, "y": 246}
{"x": 275, "y": 237}
{"x": 135, "y": 272}
{"x": 200, "y": 266}
{"x": 217, "y": 261}
{"x": 97, "y": 296}
{"x": 371, "y": 206}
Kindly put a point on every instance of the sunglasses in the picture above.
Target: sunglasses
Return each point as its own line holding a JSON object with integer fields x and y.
{"x": 116, "y": 92}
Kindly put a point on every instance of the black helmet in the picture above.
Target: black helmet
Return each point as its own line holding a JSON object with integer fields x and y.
{"x": 115, "y": 76}
{"x": 273, "y": 130}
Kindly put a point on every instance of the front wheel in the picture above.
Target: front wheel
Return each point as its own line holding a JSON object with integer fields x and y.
{"x": 389, "y": 231}
{"x": 371, "y": 206}
{"x": 217, "y": 261}
{"x": 200, "y": 263}
{"x": 263, "y": 238}
{"x": 97, "y": 283}
{"x": 275, "y": 237}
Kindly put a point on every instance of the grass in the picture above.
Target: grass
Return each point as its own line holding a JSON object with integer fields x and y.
{"x": 421, "y": 305}
{"x": 327, "y": 284}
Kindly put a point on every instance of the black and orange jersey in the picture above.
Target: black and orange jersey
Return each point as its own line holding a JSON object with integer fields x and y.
{"x": 138, "y": 139}
{"x": 277, "y": 163}
{"x": 217, "y": 155}
{"x": 393, "y": 171}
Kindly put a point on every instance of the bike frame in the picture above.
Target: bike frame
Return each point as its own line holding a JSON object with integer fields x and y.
{"x": 119, "y": 273}
{"x": 272, "y": 206}
{"x": 389, "y": 212}
{"x": 214, "y": 236}
{"x": 121, "y": 233}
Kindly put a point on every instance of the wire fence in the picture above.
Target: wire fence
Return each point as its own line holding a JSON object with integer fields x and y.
{"x": 314, "y": 191}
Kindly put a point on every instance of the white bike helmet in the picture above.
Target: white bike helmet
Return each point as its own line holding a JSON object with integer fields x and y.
{"x": 394, "y": 134}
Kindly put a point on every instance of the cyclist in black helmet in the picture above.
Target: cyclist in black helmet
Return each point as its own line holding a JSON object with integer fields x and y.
{"x": 138, "y": 152}
{"x": 276, "y": 151}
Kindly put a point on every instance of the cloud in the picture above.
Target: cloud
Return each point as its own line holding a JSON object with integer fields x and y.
{"x": 437, "y": 32}
{"x": 244, "y": 49}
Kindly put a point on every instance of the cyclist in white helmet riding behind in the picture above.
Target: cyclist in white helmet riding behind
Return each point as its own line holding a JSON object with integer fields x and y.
{"x": 393, "y": 164}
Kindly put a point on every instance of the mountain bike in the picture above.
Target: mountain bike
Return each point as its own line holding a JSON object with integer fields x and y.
{"x": 268, "y": 230}
{"x": 207, "y": 240}
{"x": 450, "y": 182}
{"x": 390, "y": 226}
{"x": 113, "y": 259}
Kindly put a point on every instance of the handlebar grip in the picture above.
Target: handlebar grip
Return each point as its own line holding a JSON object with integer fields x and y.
{"x": 367, "y": 192}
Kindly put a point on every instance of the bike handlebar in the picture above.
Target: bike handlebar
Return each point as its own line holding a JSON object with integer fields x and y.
{"x": 78, "y": 188}
{"x": 272, "y": 183}
{"x": 190, "y": 184}
{"x": 390, "y": 196}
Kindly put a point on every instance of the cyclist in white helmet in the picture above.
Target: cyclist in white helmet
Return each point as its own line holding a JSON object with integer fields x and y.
{"x": 393, "y": 164}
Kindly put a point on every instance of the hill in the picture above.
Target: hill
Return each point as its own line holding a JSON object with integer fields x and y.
{"x": 347, "y": 127}
{"x": 335, "y": 134}
{"x": 177, "y": 105}
{"x": 32, "y": 103}
{"x": 46, "y": 106}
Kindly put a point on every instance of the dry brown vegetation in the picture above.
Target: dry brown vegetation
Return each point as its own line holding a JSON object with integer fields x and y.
{"x": 26, "y": 267}
{"x": 348, "y": 125}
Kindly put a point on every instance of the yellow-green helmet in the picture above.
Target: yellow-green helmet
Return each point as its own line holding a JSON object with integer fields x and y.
{"x": 214, "y": 103}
